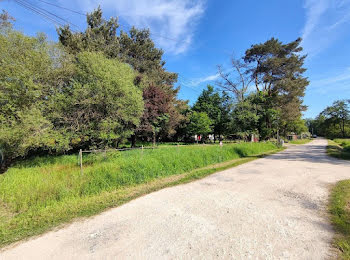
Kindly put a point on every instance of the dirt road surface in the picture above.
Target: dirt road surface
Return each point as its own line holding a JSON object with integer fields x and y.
{"x": 271, "y": 208}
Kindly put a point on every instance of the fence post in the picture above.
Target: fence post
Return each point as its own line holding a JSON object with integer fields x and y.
{"x": 81, "y": 160}
{"x": 141, "y": 149}
{"x": 221, "y": 144}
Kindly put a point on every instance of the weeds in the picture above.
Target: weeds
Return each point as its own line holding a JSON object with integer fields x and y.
{"x": 41, "y": 193}
{"x": 339, "y": 148}
{"x": 340, "y": 216}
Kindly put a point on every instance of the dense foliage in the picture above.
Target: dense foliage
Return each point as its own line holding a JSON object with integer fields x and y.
{"x": 217, "y": 107}
{"x": 29, "y": 67}
{"x": 137, "y": 49}
{"x": 101, "y": 105}
{"x": 276, "y": 71}
{"x": 333, "y": 121}
{"x": 103, "y": 87}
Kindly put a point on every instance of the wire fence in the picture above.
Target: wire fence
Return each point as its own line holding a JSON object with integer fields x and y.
{"x": 142, "y": 148}
{"x": 80, "y": 155}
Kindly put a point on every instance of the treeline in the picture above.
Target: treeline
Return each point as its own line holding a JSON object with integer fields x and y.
{"x": 102, "y": 87}
{"x": 93, "y": 89}
{"x": 262, "y": 95}
{"x": 333, "y": 121}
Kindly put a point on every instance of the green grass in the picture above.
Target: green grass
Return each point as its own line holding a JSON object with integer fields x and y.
{"x": 300, "y": 141}
{"x": 39, "y": 194}
{"x": 339, "y": 148}
{"x": 339, "y": 207}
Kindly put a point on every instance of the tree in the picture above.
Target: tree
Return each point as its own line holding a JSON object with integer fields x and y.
{"x": 200, "y": 124}
{"x": 245, "y": 119}
{"x": 338, "y": 115}
{"x": 101, "y": 106}
{"x": 6, "y": 20}
{"x": 238, "y": 83}
{"x": 156, "y": 112}
{"x": 269, "y": 116}
{"x": 333, "y": 121}
{"x": 26, "y": 84}
{"x": 135, "y": 48}
{"x": 298, "y": 127}
{"x": 99, "y": 36}
{"x": 279, "y": 72}
{"x": 216, "y": 106}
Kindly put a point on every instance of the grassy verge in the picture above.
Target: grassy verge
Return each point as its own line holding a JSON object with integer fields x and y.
{"x": 300, "y": 141}
{"x": 40, "y": 194}
{"x": 340, "y": 217}
{"x": 339, "y": 148}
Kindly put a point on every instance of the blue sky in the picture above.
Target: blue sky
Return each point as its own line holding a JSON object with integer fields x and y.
{"x": 197, "y": 35}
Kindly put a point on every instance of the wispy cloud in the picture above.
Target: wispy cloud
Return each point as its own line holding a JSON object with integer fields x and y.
{"x": 196, "y": 82}
{"x": 339, "y": 82}
{"x": 325, "y": 22}
{"x": 174, "y": 19}
{"x": 314, "y": 11}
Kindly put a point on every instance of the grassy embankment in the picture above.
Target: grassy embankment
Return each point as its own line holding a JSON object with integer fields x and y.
{"x": 340, "y": 217}
{"x": 339, "y": 148}
{"x": 39, "y": 194}
{"x": 300, "y": 141}
{"x": 339, "y": 203}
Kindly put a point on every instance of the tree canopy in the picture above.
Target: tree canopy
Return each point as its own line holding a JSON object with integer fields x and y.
{"x": 217, "y": 107}
{"x": 276, "y": 71}
{"x": 333, "y": 121}
{"x": 103, "y": 86}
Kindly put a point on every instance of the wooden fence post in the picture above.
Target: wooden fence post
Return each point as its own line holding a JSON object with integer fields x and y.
{"x": 141, "y": 149}
{"x": 81, "y": 160}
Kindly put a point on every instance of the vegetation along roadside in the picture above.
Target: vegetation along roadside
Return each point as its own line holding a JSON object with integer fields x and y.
{"x": 39, "y": 194}
{"x": 340, "y": 200}
{"x": 339, "y": 148}
{"x": 340, "y": 217}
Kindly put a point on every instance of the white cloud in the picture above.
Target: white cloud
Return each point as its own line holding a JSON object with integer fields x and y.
{"x": 315, "y": 9}
{"x": 198, "y": 81}
{"x": 176, "y": 20}
{"x": 325, "y": 21}
{"x": 338, "y": 82}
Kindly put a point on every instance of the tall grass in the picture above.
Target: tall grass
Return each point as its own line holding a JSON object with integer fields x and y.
{"x": 340, "y": 200}
{"x": 51, "y": 190}
{"x": 339, "y": 148}
{"x": 340, "y": 216}
{"x": 345, "y": 143}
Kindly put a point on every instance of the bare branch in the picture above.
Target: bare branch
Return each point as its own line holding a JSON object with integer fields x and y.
{"x": 239, "y": 82}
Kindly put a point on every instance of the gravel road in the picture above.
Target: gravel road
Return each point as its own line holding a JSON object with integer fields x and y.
{"x": 271, "y": 208}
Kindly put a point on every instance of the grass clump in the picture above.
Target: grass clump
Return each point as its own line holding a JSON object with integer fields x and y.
{"x": 339, "y": 148}
{"x": 340, "y": 216}
{"x": 41, "y": 193}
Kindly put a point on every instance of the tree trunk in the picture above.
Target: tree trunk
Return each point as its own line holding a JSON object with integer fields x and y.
{"x": 154, "y": 138}
{"x": 133, "y": 140}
